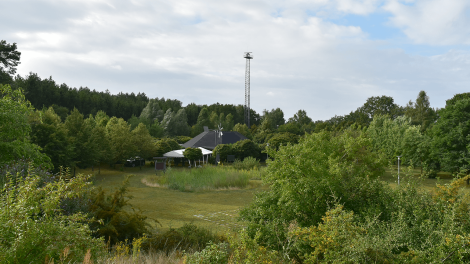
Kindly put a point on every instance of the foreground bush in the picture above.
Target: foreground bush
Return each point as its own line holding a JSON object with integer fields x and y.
{"x": 118, "y": 220}
{"x": 32, "y": 227}
{"x": 326, "y": 205}
{"x": 186, "y": 238}
{"x": 306, "y": 177}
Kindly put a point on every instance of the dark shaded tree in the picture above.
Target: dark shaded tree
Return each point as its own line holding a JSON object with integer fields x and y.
{"x": 9, "y": 60}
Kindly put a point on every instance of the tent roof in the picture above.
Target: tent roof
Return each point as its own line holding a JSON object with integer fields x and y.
{"x": 207, "y": 139}
{"x": 179, "y": 153}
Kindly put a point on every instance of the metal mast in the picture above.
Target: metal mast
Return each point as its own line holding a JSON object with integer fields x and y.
{"x": 248, "y": 57}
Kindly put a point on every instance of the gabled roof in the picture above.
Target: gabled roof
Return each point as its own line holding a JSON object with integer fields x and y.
{"x": 207, "y": 139}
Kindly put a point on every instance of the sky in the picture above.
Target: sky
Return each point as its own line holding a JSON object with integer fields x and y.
{"x": 323, "y": 56}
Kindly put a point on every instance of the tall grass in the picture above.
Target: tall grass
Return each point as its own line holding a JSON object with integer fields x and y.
{"x": 208, "y": 177}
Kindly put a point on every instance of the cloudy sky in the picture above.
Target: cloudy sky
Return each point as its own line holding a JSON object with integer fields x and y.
{"x": 326, "y": 57}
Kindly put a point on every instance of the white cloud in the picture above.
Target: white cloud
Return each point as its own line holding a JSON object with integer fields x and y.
{"x": 193, "y": 51}
{"x": 434, "y": 22}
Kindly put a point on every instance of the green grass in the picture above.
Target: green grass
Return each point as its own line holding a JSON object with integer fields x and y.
{"x": 214, "y": 209}
{"x": 391, "y": 177}
{"x": 206, "y": 178}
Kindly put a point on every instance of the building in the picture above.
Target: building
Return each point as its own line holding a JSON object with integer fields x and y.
{"x": 208, "y": 139}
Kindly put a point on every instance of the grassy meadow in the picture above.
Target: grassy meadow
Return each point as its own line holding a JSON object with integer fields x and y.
{"x": 216, "y": 209}
{"x": 213, "y": 207}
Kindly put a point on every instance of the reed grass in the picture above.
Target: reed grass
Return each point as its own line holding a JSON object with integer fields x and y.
{"x": 205, "y": 178}
{"x": 209, "y": 177}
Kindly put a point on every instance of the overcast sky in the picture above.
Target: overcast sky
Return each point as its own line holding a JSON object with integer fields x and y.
{"x": 326, "y": 57}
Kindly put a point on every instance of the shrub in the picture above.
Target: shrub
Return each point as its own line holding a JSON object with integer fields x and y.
{"x": 188, "y": 237}
{"x": 192, "y": 154}
{"x": 21, "y": 169}
{"x": 282, "y": 139}
{"x": 32, "y": 227}
{"x": 246, "y": 148}
{"x": 304, "y": 178}
{"x": 116, "y": 222}
{"x": 213, "y": 253}
{"x": 247, "y": 164}
{"x": 223, "y": 150}
{"x": 182, "y": 139}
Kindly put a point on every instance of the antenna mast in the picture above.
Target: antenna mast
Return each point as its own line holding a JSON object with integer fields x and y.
{"x": 248, "y": 57}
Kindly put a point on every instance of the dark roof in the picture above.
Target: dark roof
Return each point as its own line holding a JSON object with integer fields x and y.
{"x": 207, "y": 139}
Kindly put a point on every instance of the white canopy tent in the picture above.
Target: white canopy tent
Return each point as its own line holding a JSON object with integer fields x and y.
{"x": 179, "y": 154}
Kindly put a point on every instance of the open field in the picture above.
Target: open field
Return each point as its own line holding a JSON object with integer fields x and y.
{"x": 213, "y": 209}
{"x": 216, "y": 209}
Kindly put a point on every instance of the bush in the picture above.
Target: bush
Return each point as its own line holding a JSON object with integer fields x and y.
{"x": 282, "y": 139}
{"x": 213, "y": 253}
{"x": 192, "y": 154}
{"x": 117, "y": 223}
{"x": 32, "y": 227}
{"x": 246, "y": 148}
{"x": 247, "y": 164}
{"x": 182, "y": 139}
{"x": 20, "y": 169}
{"x": 304, "y": 178}
{"x": 188, "y": 237}
{"x": 223, "y": 150}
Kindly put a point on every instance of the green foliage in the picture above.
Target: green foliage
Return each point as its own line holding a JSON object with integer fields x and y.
{"x": 398, "y": 138}
{"x": 175, "y": 124}
{"x": 276, "y": 117}
{"x": 143, "y": 141}
{"x": 283, "y": 139}
{"x": 421, "y": 112}
{"x": 213, "y": 253}
{"x": 182, "y": 139}
{"x": 293, "y": 128}
{"x": 423, "y": 228}
{"x": 46, "y": 92}
{"x": 122, "y": 147}
{"x": 32, "y": 227}
{"x": 300, "y": 118}
{"x": 223, "y": 150}
{"x": 264, "y": 132}
{"x": 9, "y": 58}
{"x": 243, "y": 129}
{"x": 162, "y": 147}
{"x": 450, "y": 144}
{"x": 247, "y": 164}
{"x": 165, "y": 145}
{"x": 202, "y": 120}
{"x": 305, "y": 177}
{"x": 381, "y": 105}
{"x": 246, "y": 148}
{"x": 15, "y": 129}
{"x": 116, "y": 221}
{"x": 50, "y": 134}
{"x": 79, "y": 136}
{"x": 187, "y": 237}
{"x": 152, "y": 111}
{"x": 192, "y": 153}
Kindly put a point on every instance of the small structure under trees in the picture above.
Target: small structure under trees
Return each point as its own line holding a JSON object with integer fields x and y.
{"x": 160, "y": 163}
